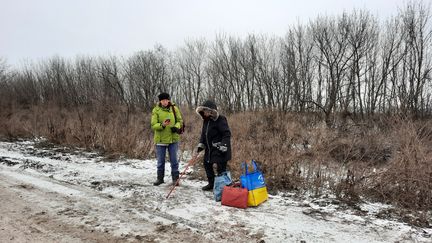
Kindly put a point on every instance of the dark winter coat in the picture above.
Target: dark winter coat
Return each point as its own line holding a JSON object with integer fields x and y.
{"x": 215, "y": 131}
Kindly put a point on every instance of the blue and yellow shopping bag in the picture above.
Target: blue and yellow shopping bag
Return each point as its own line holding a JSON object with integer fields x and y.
{"x": 254, "y": 182}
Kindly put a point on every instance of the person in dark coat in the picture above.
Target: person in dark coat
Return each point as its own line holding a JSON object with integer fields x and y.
{"x": 215, "y": 140}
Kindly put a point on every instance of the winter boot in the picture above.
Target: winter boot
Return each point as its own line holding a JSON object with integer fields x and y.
{"x": 160, "y": 178}
{"x": 209, "y": 186}
{"x": 175, "y": 176}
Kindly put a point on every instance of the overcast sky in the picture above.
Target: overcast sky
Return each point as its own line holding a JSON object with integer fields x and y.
{"x": 37, "y": 29}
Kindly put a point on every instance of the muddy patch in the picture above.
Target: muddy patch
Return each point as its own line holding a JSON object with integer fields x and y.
{"x": 25, "y": 186}
{"x": 8, "y": 161}
{"x": 29, "y": 164}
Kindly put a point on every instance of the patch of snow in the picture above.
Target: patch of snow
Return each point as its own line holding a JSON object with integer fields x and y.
{"x": 43, "y": 183}
{"x": 283, "y": 218}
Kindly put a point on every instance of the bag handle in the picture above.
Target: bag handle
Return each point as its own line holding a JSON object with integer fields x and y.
{"x": 245, "y": 167}
{"x": 255, "y": 166}
{"x": 236, "y": 184}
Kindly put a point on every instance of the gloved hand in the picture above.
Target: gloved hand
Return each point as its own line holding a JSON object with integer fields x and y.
{"x": 223, "y": 148}
{"x": 220, "y": 146}
{"x": 174, "y": 129}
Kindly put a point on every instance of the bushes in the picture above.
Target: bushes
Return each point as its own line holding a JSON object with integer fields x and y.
{"x": 107, "y": 130}
{"x": 407, "y": 178}
{"x": 388, "y": 159}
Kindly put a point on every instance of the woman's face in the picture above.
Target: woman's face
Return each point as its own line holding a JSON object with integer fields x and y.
{"x": 164, "y": 102}
{"x": 207, "y": 113}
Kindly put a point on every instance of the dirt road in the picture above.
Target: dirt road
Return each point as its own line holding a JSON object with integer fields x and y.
{"x": 67, "y": 214}
{"x": 22, "y": 219}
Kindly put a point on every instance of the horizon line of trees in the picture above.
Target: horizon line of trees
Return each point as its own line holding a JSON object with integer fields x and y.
{"x": 348, "y": 63}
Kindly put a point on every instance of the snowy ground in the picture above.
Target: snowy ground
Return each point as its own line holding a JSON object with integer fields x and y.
{"x": 117, "y": 198}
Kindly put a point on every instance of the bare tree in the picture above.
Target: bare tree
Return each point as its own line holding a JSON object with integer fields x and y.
{"x": 298, "y": 67}
{"x": 191, "y": 62}
{"x": 5, "y": 87}
{"x": 86, "y": 78}
{"x": 273, "y": 92}
{"x": 390, "y": 56}
{"x": 229, "y": 80}
{"x": 348, "y": 63}
{"x": 362, "y": 39}
{"x": 416, "y": 68}
{"x": 330, "y": 36}
{"x": 146, "y": 74}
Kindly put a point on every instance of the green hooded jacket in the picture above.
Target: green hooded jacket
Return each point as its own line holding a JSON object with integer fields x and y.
{"x": 159, "y": 114}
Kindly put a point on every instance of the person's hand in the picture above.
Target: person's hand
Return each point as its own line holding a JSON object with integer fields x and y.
{"x": 223, "y": 148}
{"x": 220, "y": 146}
{"x": 174, "y": 129}
{"x": 166, "y": 123}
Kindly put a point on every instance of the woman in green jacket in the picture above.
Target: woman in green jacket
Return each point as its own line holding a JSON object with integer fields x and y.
{"x": 166, "y": 126}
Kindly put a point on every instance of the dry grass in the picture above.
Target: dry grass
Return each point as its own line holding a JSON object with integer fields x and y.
{"x": 388, "y": 159}
{"x": 108, "y": 130}
{"x": 407, "y": 178}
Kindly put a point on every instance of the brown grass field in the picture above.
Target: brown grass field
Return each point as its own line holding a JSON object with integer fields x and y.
{"x": 388, "y": 159}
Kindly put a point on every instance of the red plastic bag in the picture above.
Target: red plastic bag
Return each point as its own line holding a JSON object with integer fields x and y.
{"x": 235, "y": 196}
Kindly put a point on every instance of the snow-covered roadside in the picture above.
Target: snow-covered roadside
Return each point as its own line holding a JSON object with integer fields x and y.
{"x": 127, "y": 184}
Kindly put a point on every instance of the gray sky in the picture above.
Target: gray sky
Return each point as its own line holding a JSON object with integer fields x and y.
{"x": 37, "y": 29}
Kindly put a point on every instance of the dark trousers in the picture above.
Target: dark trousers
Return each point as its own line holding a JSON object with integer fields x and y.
{"x": 221, "y": 167}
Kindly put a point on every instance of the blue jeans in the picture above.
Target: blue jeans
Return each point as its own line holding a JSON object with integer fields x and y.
{"x": 161, "y": 153}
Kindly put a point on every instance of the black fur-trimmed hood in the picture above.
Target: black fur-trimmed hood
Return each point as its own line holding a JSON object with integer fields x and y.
{"x": 208, "y": 106}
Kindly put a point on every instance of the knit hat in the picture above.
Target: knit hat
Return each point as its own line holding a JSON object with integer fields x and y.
{"x": 163, "y": 96}
{"x": 209, "y": 104}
